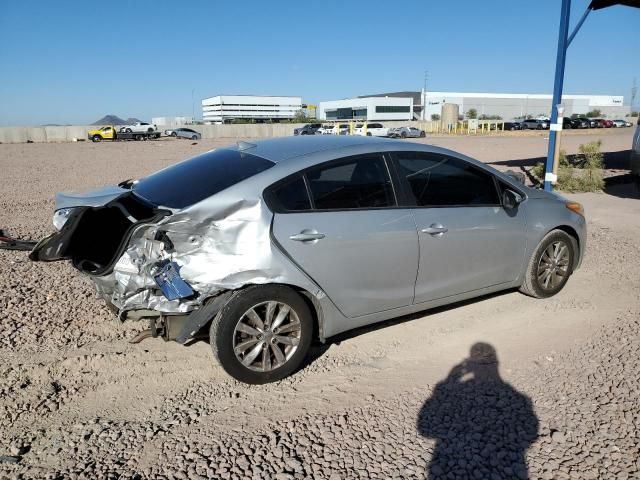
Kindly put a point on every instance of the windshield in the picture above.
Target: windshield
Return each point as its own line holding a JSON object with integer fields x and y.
{"x": 193, "y": 180}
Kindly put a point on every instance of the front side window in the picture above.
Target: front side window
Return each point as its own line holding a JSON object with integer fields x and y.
{"x": 437, "y": 180}
{"x": 193, "y": 180}
{"x": 361, "y": 182}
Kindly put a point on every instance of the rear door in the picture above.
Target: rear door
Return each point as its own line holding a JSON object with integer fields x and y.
{"x": 468, "y": 241}
{"x": 340, "y": 223}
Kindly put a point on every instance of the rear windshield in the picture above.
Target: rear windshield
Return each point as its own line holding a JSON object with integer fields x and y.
{"x": 193, "y": 180}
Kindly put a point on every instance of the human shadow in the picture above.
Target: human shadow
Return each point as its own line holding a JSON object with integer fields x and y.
{"x": 482, "y": 425}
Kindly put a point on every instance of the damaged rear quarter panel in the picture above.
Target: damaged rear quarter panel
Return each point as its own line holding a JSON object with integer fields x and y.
{"x": 221, "y": 243}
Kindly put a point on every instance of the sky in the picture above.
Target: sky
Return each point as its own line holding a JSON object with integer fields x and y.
{"x": 71, "y": 62}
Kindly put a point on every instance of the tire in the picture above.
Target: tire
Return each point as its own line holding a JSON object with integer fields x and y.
{"x": 194, "y": 137}
{"x": 127, "y": 130}
{"x": 422, "y": 134}
{"x": 174, "y": 134}
{"x": 225, "y": 338}
{"x": 96, "y": 138}
{"x": 138, "y": 137}
{"x": 534, "y": 283}
{"x": 403, "y": 135}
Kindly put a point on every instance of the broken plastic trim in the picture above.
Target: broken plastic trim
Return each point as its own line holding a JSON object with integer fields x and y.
{"x": 9, "y": 243}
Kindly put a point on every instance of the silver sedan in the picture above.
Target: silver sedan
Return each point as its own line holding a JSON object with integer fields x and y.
{"x": 265, "y": 247}
{"x": 184, "y": 133}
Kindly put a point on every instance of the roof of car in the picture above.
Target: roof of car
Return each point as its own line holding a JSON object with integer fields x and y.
{"x": 284, "y": 148}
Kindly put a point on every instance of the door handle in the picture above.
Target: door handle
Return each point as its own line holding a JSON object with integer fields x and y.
{"x": 307, "y": 237}
{"x": 435, "y": 229}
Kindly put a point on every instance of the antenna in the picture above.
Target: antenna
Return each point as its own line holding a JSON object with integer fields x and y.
{"x": 242, "y": 146}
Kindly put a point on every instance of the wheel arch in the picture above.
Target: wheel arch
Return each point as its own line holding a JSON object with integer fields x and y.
{"x": 200, "y": 320}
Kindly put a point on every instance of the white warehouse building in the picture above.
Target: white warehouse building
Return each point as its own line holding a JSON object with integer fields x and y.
{"x": 519, "y": 105}
{"x": 260, "y": 108}
{"x": 366, "y": 108}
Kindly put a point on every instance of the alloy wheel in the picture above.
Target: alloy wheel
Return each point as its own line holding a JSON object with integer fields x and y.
{"x": 553, "y": 266}
{"x": 267, "y": 336}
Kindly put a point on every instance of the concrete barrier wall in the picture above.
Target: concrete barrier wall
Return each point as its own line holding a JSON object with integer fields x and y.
{"x": 249, "y": 130}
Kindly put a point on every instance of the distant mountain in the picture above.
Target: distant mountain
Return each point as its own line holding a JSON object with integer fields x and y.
{"x": 114, "y": 120}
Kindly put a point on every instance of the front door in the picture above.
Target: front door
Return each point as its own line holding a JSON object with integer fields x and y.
{"x": 340, "y": 223}
{"x": 468, "y": 240}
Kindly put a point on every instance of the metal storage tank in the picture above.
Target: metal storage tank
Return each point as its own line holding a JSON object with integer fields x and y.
{"x": 449, "y": 115}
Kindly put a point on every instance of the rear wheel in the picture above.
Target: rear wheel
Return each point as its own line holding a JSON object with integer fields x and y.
{"x": 262, "y": 334}
{"x": 174, "y": 134}
{"x": 550, "y": 265}
{"x": 422, "y": 134}
{"x": 403, "y": 135}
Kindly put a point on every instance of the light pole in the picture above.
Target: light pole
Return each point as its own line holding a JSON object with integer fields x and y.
{"x": 193, "y": 105}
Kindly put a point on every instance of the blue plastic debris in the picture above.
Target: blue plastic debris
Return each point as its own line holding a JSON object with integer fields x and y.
{"x": 170, "y": 282}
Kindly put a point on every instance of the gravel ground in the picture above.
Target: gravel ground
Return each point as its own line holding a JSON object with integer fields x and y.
{"x": 501, "y": 387}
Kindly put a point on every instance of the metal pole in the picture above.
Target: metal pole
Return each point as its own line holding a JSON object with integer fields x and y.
{"x": 578, "y": 25}
{"x": 557, "y": 91}
{"x": 193, "y": 106}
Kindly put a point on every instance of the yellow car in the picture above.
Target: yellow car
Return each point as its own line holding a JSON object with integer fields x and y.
{"x": 104, "y": 133}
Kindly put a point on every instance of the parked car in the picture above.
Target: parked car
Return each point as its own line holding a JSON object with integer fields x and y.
{"x": 183, "y": 132}
{"x": 512, "y": 126}
{"x": 309, "y": 129}
{"x": 267, "y": 246}
{"x": 619, "y": 123}
{"x": 567, "y": 124}
{"x": 339, "y": 129}
{"x": 635, "y": 155}
{"x": 580, "y": 122}
{"x": 139, "y": 127}
{"x": 602, "y": 123}
{"x": 372, "y": 130}
{"x": 406, "y": 132}
{"x": 324, "y": 130}
{"x": 535, "y": 124}
{"x": 593, "y": 123}
{"x": 629, "y": 124}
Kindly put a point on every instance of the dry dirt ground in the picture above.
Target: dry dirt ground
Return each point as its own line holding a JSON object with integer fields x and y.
{"x": 501, "y": 387}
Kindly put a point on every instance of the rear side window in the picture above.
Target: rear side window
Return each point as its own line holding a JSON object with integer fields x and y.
{"x": 361, "y": 182}
{"x": 440, "y": 181}
{"x": 193, "y": 180}
{"x": 292, "y": 195}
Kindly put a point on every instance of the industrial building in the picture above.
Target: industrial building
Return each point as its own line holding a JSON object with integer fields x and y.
{"x": 367, "y": 108}
{"x": 258, "y": 108}
{"x": 510, "y": 106}
{"x": 172, "y": 121}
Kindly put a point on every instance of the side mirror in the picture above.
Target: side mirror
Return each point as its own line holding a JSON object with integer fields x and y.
{"x": 511, "y": 199}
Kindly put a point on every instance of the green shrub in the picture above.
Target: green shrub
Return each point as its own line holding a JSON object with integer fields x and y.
{"x": 577, "y": 173}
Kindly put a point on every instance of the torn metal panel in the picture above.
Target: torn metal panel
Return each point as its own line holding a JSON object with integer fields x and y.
{"x": 217, "y": 245}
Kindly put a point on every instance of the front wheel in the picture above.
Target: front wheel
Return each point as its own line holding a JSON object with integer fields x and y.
{"x": 403, "y": 135}
{"x": 550, "y": 266}
{"x": 96, "y": 138}
{"x": 262, "y": 334}
{"x": 194, "y": 137}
